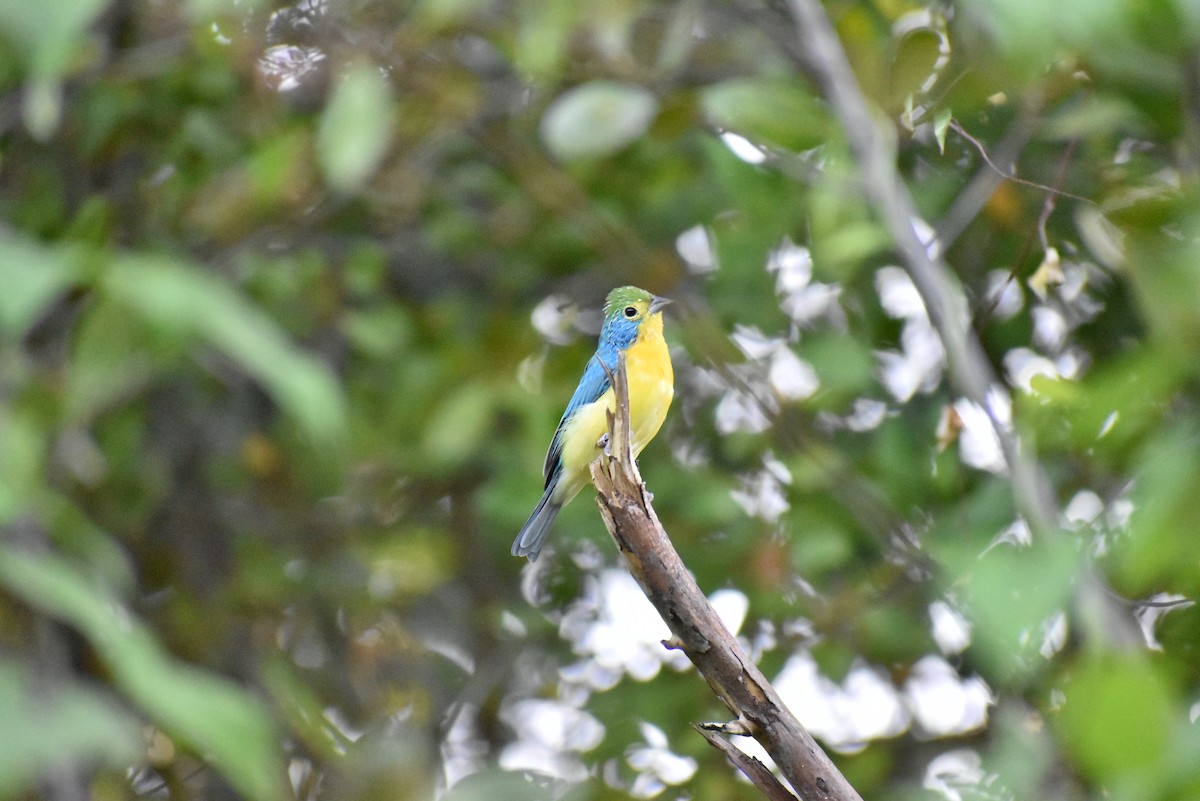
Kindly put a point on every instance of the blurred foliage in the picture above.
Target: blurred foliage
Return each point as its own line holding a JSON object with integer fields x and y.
{"x": 291, "y": 297}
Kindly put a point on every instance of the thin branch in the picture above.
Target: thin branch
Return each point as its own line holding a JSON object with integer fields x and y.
{"x": 1048, "y": 207}
{"x": 1178, "y": 603}
{"x": 979, "y": 190}
{"x": 755, "y": 771}
{"x": 696, "y": 628}
{"x": 1051, "y": 201}
{"x": 969, "y": 370}
{"x": 1010, "y": 176}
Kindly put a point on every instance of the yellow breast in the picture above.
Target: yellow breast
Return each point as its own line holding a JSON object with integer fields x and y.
{"x": 651, "y": 382}
{"x": 651, "y": 388}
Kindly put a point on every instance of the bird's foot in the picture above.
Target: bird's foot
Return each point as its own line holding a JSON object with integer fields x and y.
{"x": 603, "y": 443}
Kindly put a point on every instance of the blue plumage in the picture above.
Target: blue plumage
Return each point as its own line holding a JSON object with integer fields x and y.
{"x": 616, "y": 335}
{"x": 627, "y": 309}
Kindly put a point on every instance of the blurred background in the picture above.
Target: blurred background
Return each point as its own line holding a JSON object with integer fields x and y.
{"x": 292, "y": 296}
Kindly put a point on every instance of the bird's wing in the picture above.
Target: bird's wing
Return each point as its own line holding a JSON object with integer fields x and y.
{"x": 592, "y": 385}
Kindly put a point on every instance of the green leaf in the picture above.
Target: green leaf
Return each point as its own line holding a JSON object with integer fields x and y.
{"x": 543, "y": 33}
{"x": 31, "y": 276}
{"x": 22, "y": 445}
{"x": 110, "y": 363}
{"x": 825, "y": 545}
{"x": 496, "y": 785}
{"x": 221, "y": 722}
{"x": 378, "y": 332}
{"x": 941, "y": 124}
{"x": 190, "y": 302}
{"x": 75, "y": 535}
{"x": 51, "y": 36}
{"x": 49, "y": 33}
{"x": 845, "y": 365}
{"x": 1116, "y": 718}
{"x": 1098, "y": 115}
{"x": 356, "y": 129}
{"x": 597, "y": 118}
{"x": 442, "y": 14}
{"x": 301, "y": 706}
{"x": 1014, "y": 591}
{"x": 203, "y": 11}
{"x": 45, "y": 724}
{"x": 767, "y": 110}
{"x": 1160, "y": 550}
{"x": 843, "y": 249}
{"x": 914, "y": 67}
{"x": 459, "y": 425}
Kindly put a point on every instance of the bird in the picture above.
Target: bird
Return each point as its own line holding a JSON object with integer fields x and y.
{"x": 633, "y": 324}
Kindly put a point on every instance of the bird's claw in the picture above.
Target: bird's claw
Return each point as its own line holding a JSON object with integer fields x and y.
{"x": 603, "y": 443}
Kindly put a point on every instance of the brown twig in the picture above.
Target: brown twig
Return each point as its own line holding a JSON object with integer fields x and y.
{"x": 1048, "y": 207}
{"x": 968, "y": 366}
{"x": 755, "y": 771}
{"x": 987, "y": 180}
{"x": 694, "y": 624}
{"x": 1011, "y": 176}
{"x": 1051, "y": 201}
{"x": 969, "y": 369}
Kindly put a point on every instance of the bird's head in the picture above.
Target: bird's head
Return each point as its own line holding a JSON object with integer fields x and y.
{"x": 625, "y": 310}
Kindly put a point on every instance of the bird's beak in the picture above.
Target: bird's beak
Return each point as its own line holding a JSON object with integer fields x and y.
{"x": 657, "y": 304}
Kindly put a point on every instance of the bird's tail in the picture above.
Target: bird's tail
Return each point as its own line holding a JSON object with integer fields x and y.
{"x": 533, "y": 534}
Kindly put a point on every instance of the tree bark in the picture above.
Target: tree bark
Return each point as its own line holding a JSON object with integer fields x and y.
{"x": 695, "y": 626}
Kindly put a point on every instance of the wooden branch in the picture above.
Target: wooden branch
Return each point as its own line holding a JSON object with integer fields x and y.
{"x": 968, "y": 366}
{"x": 755, "y": 771}
{"x": 694, "y": 624}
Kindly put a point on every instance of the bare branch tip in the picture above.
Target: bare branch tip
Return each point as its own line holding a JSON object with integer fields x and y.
{"x": 754, "y": 770}
{"x": 739, "y": 728}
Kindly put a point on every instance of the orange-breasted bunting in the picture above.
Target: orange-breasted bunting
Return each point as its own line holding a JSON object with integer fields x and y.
{"x": 633, "y": 324}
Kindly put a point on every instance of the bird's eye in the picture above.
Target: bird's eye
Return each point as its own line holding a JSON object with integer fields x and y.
{"x": 630, "y": 311}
